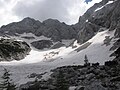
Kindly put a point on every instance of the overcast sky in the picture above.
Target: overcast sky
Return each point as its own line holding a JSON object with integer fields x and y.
{"x": 67, "y": 11}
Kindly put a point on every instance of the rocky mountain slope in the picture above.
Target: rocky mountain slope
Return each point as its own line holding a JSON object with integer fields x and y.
{"x": 98, "y": 32}
{"x": 11, "y": 49}
{"x": 103, "y": 15}
{"x": 50, "y": 28}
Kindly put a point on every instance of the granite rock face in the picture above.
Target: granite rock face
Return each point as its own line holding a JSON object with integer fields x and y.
{"x": 105, "y": 14}
{"x": 116, "y": 45}
{"x": 41, "y": 44}
{"x": 27, "y": 25}
{"x": 13, "y": 50}
{"x": 59, "y": 30}
{"x": 49, "y": 28}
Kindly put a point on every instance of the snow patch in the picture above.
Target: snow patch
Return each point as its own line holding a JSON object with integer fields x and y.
{"x": 72, "y": 88}
{"x": 86, "y": 20}
{"x": 109, "y": 2}
{"x": 43, "y": 61}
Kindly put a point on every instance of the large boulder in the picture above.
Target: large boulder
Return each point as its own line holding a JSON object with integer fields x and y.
{"x": 41, "y": 44}
{"x": 13, "y": 50}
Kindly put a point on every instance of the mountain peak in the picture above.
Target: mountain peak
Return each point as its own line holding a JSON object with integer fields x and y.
{"x": 28, "y": 18}
{"x": 52, "y": 21}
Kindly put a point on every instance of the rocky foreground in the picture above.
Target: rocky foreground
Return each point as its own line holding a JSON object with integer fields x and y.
{"x": 92, "y": 77}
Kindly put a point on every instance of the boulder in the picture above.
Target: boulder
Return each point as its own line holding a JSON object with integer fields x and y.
{"x": 41, "y": 44}
{"x": 13, "y": 50}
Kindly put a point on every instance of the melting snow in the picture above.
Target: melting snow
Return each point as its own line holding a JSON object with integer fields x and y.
{"x": 44, "y": 61}
{"x": 86, "y": 20}
{"x": 104, "y": 5}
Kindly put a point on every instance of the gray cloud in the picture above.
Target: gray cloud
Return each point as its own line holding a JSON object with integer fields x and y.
{"x": 1, "y": 4}
{"x": 63, "y": 10}
{"x": 42, "y": 10}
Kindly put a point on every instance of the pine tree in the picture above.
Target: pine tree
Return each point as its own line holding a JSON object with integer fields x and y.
{"x": 61, "y": 83}
{"x": 6, "y": 85}
{"x": 86, "y": 61}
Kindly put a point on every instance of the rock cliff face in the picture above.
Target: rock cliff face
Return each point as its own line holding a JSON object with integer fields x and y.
{"x": 13, "y": 50}
{"x": 116, "y": 45}
{"x": 52, "y": 29}
{"x": 101, "y": 16}
{"x": 49, "y": 28}
{"x": 27, "y": 25}
{"x": 42, "y": 44}
{"x": 105, "y": 14}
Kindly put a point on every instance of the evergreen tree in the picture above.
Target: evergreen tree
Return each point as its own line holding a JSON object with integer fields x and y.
{"x": 61, "y": 83}
{"x": 86, "y": 61}
{"x": 6, "y": 85}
